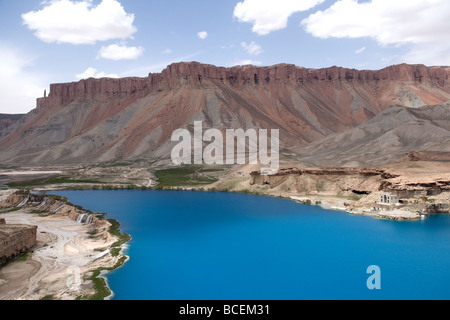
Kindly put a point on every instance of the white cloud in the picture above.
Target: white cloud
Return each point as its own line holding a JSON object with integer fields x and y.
{"x": 361, "y": 50}
{"x": 143, "y": 71}
{"x": 419, "y": 23}
{"x": 94, "y": 73}
{"x": 167, "y": 51}
{"x": 65, "y": 21}
{"x": 247, "y": 62}
{"x": 120, "y": 52}
{"x": 202, "y": 35}
{"x": 432, "y": 55}
{"x": 19, "y": 87}
{"x": 252, "y": 49}
{"x": 270, "y": 15}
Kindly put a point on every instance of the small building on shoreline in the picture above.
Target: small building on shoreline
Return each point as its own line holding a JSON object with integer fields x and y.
{"x": 389, "y": 199}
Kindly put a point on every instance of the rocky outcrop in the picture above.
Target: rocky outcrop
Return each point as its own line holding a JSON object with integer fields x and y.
{"x": 258, "y": 178}
{"x": 326, "y": 181}
{"x": 437, "y": 208}
{"x": 21, "y": 200}
{"x": 105, "y": 120}
{"x": 284, "y": 73}
{"x": 16, "y": 240}
{"x": 52, "y": 205}
{"x": 414, "y": 189}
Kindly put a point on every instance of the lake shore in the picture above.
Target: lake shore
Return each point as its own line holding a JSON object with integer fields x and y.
{"x": 66, "y": 262}
{"x": 66, "y": 248}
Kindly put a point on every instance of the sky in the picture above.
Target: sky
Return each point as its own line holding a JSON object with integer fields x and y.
{"x": 56, "y": 41}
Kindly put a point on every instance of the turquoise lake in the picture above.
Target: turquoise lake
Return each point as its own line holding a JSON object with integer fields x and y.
{"x": 228, "y": 246}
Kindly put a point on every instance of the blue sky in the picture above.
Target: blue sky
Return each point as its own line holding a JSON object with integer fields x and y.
{"x": 45, "y": 42}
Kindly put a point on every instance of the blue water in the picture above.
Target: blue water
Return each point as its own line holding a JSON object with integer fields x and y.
{"x": 226, "y": 246}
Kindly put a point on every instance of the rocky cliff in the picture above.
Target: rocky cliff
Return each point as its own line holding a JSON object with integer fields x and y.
{"x": 431, "y": 190}
{"x": 104, "y": 120}
{"x": 53, "y": 206}
{"x": 16, "y": 240}
{"x": 194, "y": 74}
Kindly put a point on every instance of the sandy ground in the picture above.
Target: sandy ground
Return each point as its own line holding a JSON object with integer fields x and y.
{"x": 28, "y": 173}
{"x": 63, "y": 256}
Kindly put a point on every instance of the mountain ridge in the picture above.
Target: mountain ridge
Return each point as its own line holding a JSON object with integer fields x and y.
{"x": 63, "y": 93}
{"x": 394, "y": 133}
{"x": 106, "y": 120}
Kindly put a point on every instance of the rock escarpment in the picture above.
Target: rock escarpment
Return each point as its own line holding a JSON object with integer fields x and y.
{"x": 414, "y": 189}
{"x": 195, "y": 75}
{"x": 330, "y": 181}
{"x": 51, "y": 205}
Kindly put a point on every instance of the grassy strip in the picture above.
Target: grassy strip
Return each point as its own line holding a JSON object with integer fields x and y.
{"x": 101, "y": 288}
{"x": 9, "y": 210}
{"x": 191, "y": 175}
{"x": 23, "y": 257}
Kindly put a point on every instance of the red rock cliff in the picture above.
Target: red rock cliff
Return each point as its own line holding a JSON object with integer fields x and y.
{"x": 94, "y": 89}
{"x": 195, "y": 74}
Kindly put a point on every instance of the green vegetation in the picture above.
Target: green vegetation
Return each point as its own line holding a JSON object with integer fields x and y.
{"x": 117, "y": 164}
{"x": 191, "y": 175}
{"x": 23, "y": 257}
{"x": 100, "y": 286}
{"x": 23, "y": 192}
{"x": 101, "y": 289}
{"x": 38, "y": 212}
{"x": 355, "y": 197}
{"x": 414, "y": 166}
{"x": 320, "y": 186}
{"x": 20, "y": 258}
{"x": 115, "y": 231}
{"x": 9, "y": 210}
